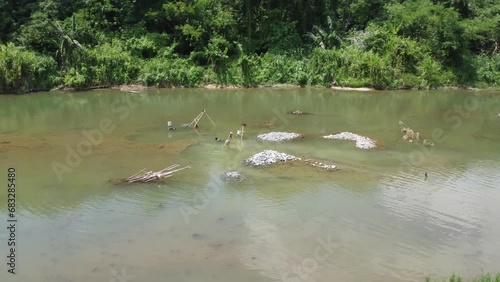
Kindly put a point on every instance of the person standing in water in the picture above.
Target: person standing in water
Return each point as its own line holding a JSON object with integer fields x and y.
{"x": 170, "y": 126}
{"x": 228, "y": 140}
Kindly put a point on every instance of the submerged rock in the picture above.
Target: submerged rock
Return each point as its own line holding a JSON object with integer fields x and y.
{"x": 298, "y": 113}
{"x": 269, "y": 157}
{"x": 232, "y": 175}
{"x": 197, "y": 236}
{"x": 362, "y": 142}
{"x": 322, "y": 165}
{"x": 277, "y": 136}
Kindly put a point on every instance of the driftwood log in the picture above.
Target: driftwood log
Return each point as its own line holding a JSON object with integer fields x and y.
{"x": 148, "y": 176}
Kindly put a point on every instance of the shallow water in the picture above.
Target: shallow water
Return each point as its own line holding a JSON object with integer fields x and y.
{"x": 383, "y": 220}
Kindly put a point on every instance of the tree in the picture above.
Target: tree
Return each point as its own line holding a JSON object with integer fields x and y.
{"x": 434, "y": 25}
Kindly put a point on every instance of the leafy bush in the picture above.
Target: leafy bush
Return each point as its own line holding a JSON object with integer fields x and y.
{"x": 77, "y": 79}
{"x": 147, "y": 46}
{"x": 431, "y": 24}
{"x": 170, "y": 72}
{"x": 324, "y": 65}
{"x": 409, "y": 81}
{"x": 106, "y": 64}
{"x": 24, "y": 71}
{"x": 430, "y": 73}
{"x": 488, "y": 70}
{"x": 349, "y": 66}
{"x": 274, "y": 68}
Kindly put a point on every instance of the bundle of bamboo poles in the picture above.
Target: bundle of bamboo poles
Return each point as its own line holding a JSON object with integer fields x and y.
{"x": 147, "y": 176}
{"x": 411, "y": 135}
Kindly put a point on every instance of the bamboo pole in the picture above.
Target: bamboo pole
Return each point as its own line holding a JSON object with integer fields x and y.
{"x": 169, "y": 173}
{"x": 168, "y": 168}
{"x": 136, "y": 173}
{"x": 151, "y": 175}
{"x": 210, "y": 119}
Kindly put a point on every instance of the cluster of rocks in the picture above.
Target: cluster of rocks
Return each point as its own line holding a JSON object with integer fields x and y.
{"x": 277, "y": 136}
{"x": 269, "y": 157}
{"x": 362, "y": 142}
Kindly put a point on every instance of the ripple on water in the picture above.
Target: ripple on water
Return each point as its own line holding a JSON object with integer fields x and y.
{"x": 47, "y": 206}
{"x": 265, "y": 243}
{"x": 142, "y": 199}
{"x": 412, "y": 196}
{"x": 441, "y": 217}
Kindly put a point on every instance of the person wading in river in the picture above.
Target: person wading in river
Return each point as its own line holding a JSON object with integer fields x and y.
{"x": 228, "y": 140}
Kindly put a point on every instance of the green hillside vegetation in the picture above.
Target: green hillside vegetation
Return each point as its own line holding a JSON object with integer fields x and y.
{"x": 358, "y": 43}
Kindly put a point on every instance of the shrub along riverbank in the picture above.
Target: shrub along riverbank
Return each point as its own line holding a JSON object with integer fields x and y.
{"x": 380, "y": 44}
{"x": 111, "y": 64}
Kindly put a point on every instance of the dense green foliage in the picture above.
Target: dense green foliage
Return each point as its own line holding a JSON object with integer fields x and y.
{"x": 22, "y": 70}
{"x": 383, "y": 44}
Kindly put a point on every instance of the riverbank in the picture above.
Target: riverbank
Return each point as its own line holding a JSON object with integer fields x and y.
{"x": 138, "y": 87}
{"x": 134, "y": 87}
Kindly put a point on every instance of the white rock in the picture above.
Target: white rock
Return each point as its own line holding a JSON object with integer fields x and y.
{"x": 269, "y": 157}
{"x": 232, "y": 175}
{"x": 362, "y": 142}
{"x": 277, "y": 136}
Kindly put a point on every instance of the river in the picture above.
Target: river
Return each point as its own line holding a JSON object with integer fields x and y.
{"x": 377, "y": 218}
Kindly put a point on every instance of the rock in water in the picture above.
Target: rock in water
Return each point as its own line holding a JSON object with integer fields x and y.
{"x": 322, "y": 165}
{"x": 269, "y": 157}
{"x": 362, "y": 142}
{"x": 232, "y": 175}
{"x": 277, "y": 136}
